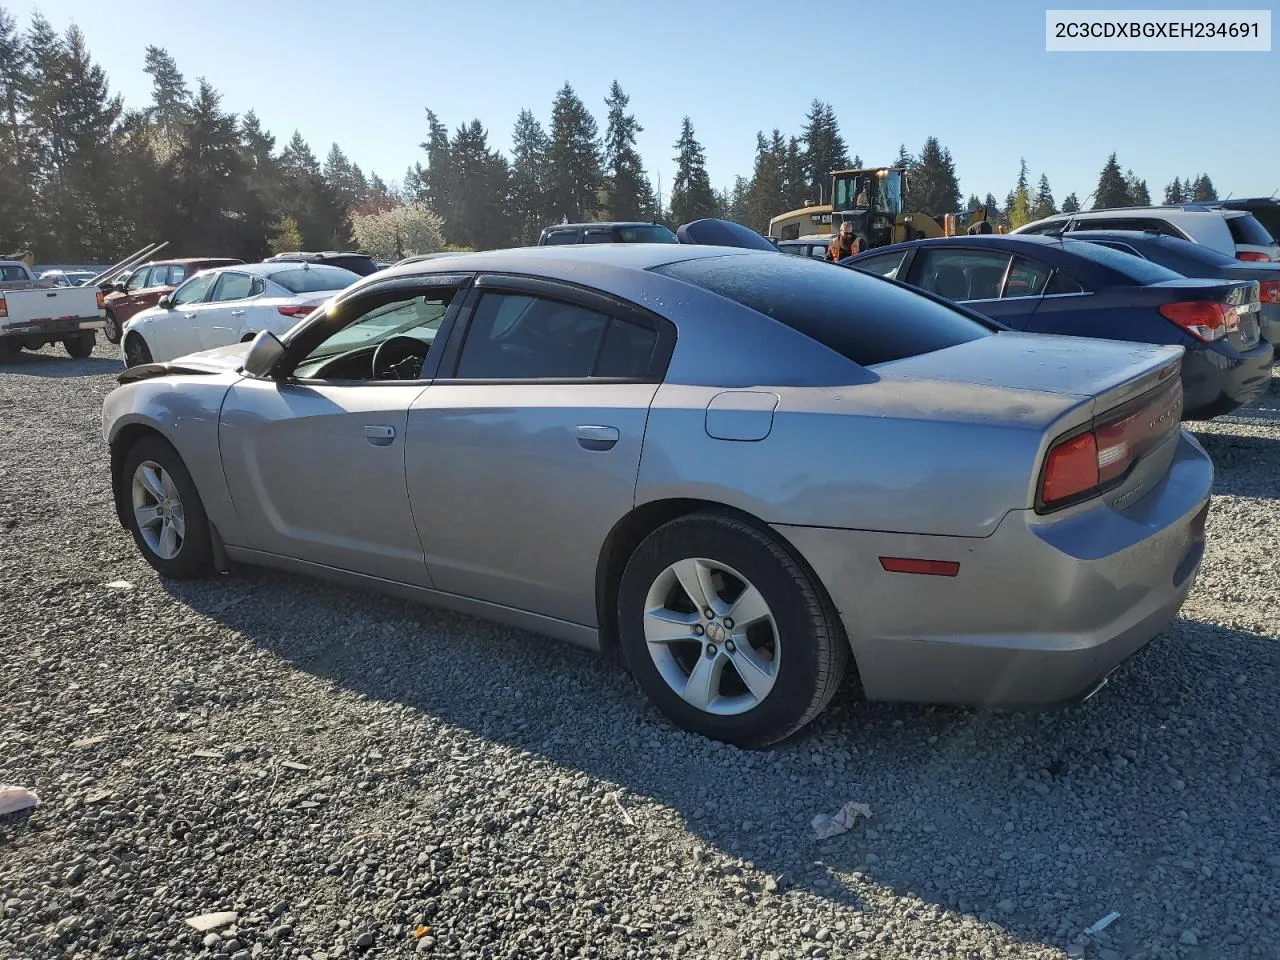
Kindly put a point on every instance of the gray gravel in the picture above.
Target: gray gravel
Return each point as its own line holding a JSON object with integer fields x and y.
{"x": 341, "y": 771}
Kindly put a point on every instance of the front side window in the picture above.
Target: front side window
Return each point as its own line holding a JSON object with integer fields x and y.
{"x": 418, "y": 317}
{"x": 177, "y": 273}
{"x": 563, "y": 236}
{"x": 961, "y": 274}
{"x": 886, "y": 265}
{"x": 139, "y": 280}
{"x": 194, "y": 290}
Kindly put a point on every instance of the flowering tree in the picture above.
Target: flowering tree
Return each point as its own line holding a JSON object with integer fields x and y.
{"x": 400, "y": 232}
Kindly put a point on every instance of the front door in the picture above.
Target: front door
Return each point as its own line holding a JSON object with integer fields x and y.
{"x": 523, "y": 459}
{"x": 315, "y": 458}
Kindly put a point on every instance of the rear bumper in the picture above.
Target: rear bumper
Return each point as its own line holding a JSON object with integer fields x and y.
{"x": 1041, "y": 611}
{"x": 52, "y": 328}
{"x": 1217, "y": 381}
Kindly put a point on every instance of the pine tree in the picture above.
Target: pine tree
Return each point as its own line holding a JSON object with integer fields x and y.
{"x": 345, "y": 178}
{"x": 1019, "y": 203}
{"x": 764, "y": 198}
{"x": 1043, "y": 205}
{"x": 627, "y": 191}
{"x": 171, "y": 101}
{"x": 206, "y": 167}
{"x": 691, "y": 195}
{"x": 17, "y": 172}
{"x": 576, "y": 175}
{"x": 1071, "y": 204}
{"x": 993, "y": 207}
{"x": 934, "y": 187}
{"x": 308, "y": 198}
{"x": 824, "y": 148}
{"x": 480, "y": 191}
{"x": 973, "y": 203}
{"x": 529, "y": 177}
{"x": 795, "y": 173}
{"x": 904, "y": 158}
{"x": 436, "y": 182}
{"x": 1173, "y": 191}
{"x": 1112, "y": 190}
{"x": 1136, "y": 190}
{"x": 1203, "y": 190}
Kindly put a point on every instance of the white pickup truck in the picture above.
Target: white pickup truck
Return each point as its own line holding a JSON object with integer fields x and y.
{"x": 35, "y": 312}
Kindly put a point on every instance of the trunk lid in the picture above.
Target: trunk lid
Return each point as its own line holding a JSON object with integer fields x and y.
{"x": 1240, "y": 295}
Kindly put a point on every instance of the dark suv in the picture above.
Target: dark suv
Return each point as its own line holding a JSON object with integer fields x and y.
{"x": 1266, "y": 210}
{"x": 605, "y": 233}
{"x": 360, "y": 263}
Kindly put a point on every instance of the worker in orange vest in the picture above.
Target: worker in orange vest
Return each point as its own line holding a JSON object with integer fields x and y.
{"x": 843, "y": 244}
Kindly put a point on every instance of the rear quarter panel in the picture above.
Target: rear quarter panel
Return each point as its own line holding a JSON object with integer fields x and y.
{"x": 894, "y": 455}
{"x": 184, "y": 410}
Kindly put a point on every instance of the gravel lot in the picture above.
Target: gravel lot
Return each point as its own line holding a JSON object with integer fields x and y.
{"x": 343, "y": 770}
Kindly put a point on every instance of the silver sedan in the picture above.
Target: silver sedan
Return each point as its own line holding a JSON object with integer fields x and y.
{"x": 751, "y": 472}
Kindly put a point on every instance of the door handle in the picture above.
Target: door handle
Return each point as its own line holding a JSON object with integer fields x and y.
{"x": 379, "y": 435}
{"x": 596, "y": 437}
{"x": 189, "y": 316}
{"x": 237, "y": 313}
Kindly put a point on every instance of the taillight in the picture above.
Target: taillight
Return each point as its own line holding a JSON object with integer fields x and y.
{"x": 1269, "y": 291}
{"x": 1252, "y": 256}
{"x": 292, "y": 310}
{"x": 1082, "y": 465}
{"x": 102, "y": 300}
{"x": 4, "y": 309}
{"x": 1203, "y": 319}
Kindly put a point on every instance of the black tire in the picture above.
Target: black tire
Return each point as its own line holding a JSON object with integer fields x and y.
{"x": 136, "y": 351}
{"x": 194, "y": 556}
{"x": 80, "y": 346}
{"x": 10, "y": 347}
{"x": 112, "y": 329}
{"x": 813, "y": 647}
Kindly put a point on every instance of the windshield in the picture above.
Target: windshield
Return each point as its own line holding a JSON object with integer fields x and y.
{"x": 650, "y": 234}
{"x": 1141, "y": 272}
{"x": 881, "y": 187}
{"x": 314, "y": 279}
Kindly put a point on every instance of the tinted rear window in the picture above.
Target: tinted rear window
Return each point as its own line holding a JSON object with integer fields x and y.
{"x": 312, "y": 279}
{"x": 564, "y": 236}
{"x": 864, "y": 318}
{"x": 653, "y": 234}
{"x": 1248, "y": 230}
{"x": 1135, "y": 269}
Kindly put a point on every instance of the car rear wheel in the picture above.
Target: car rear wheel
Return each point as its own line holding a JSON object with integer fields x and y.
{"x": 112, "y": 329}
{"x": 136, "y": 351}
{"x": 726, "y": 631}
{"x": 164, "y": 511}
{"x": 80, "y": 346}
{"x": 10, "y": 347}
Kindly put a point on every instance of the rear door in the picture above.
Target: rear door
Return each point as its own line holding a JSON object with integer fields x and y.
{"x": 523, "y": 453}
{"x": 976, "y": 277}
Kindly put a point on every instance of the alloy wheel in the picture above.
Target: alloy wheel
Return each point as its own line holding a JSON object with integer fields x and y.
{"x": 712, "y": 636}
{"x": 158, "y": 511}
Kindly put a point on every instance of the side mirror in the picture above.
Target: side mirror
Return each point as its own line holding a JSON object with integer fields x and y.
{"x": 264, "y": 353}
{"x": 165, "y": 302}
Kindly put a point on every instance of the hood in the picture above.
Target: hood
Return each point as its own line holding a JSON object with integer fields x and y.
{"x": 217, "y": 360}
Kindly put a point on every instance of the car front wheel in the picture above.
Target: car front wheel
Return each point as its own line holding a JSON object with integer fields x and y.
{"x": 111, "y": 330}
{"x": 164, "y": 512}
{"x": 726, "y": 631}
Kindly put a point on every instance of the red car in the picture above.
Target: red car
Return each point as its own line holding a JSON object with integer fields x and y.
{"x": 144, "y": 287}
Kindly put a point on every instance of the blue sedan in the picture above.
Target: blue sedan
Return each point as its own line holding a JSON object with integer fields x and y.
{"x": 1075, "y": 288}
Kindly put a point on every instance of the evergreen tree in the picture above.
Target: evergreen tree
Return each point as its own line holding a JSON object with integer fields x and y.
{"x": 435, "y": 183}
{"x": 973, "y": 203}
{"x": 904, "y": 158}
{"x": 1043, "y": 205}
{"x": 628, "y": 195}
{"x": 1071, "y": 204}
{"x": 1203, "y": 190}
{"x": 480, "y": 191}
{"x": 738, "y": 197}
{"x": 17, "y": 171}
{"x": 207, "y": 170}
{"x": 1112, "y": 190}
{"x": 171, "y": 102}
{"x": 1173, "y": 191}
{"x": 576, "y": 175}
{"x": 309, "y": 200}
{"x": 824, "y": 149}
{"x": 934, "y": 187}
{"x": 1019, "y": 203}
{"x": 795, "y": 173}
{"x": 764, "y": 199}
{"x": 345, "y": 178}
{"x": 529, "y": 180}
{"x": 691, "y": 195}
{"x": 993, "y": 207}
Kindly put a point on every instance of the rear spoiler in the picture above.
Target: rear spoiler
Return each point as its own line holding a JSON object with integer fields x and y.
{"x": 711, "y": 232}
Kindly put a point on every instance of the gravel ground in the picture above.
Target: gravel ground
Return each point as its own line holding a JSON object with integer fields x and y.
{"x": 343, "y": 771}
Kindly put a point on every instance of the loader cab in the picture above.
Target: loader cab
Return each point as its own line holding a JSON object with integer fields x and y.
{"x": 872, "y": 200}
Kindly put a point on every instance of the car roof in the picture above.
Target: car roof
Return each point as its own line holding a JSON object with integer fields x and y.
{"x": 555, "y": 227}
{"x": 187, "y": 261}
{"x": 269, "y": 268}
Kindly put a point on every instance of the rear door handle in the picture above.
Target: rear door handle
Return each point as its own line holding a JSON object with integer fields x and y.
{"x": 379, "y": 435}
{"x": 237, "y": 313}
{"x": 596, "y": 437}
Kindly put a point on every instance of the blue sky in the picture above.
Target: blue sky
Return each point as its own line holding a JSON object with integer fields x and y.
{"x": 974, "y": 74}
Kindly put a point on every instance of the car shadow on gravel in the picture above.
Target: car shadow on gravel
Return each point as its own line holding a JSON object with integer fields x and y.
{"x": 58, "y": 366}
{"x": 1236, "y": 458}
{"x": 1155, "y": 799}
